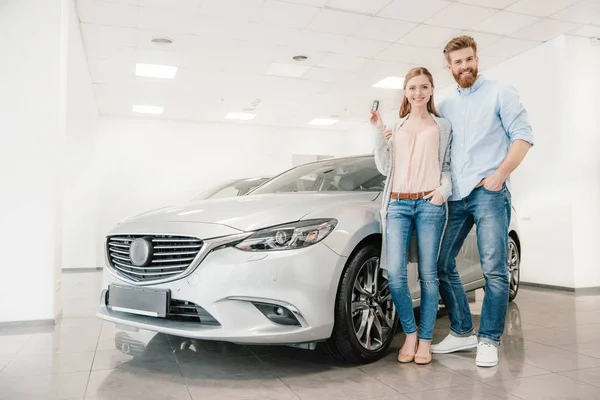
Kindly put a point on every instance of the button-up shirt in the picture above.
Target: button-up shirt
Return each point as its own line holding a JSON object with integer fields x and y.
{"x": 486, "y": 119}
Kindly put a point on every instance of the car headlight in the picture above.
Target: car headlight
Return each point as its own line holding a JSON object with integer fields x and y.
{"x": 290, "y": 236}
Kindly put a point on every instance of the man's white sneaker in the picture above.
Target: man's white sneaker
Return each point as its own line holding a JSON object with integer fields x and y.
{"x": 452, "y": 343}
{"x": 487, "y": 355}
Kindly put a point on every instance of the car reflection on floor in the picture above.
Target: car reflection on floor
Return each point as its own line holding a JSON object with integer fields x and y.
{"x": 135, "y": 342}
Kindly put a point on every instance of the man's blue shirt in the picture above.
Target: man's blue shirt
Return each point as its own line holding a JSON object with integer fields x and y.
{"x": 486, "y": 119}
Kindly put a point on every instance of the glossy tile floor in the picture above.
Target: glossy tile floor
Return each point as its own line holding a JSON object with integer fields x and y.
{"x": 551, "y": 350}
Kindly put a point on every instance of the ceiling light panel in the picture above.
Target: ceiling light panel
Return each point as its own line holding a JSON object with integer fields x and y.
{"x": 141, "y": 109}
{"x": 391, "y": 82}
{"x": 240, "y": 116}
{"x": 155, "y": 71}
{"x": 323, "y": 121}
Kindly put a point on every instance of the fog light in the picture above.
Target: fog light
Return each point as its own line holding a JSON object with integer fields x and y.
{"x": 277, "y": 314}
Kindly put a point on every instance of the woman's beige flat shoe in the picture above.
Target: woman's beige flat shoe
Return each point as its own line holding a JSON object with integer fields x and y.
{"x": 406, "y": 358}
{"x": 423, "y": 360}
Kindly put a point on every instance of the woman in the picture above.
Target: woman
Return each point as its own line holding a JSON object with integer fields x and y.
{"x": 416, "y": 161}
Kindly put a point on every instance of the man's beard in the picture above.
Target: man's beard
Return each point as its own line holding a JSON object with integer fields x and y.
{"x": 466, "y": 81}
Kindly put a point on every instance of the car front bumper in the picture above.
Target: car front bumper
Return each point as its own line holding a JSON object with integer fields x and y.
{"x": 229, "y": 281}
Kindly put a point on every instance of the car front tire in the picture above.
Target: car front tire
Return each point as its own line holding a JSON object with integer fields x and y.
{"x": 514, "y": 268}
{"x": 365, "y": 316}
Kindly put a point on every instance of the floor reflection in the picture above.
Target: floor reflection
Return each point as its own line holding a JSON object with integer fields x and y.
{"x": 210, "y": 367}
{"x": 550, "y": 349}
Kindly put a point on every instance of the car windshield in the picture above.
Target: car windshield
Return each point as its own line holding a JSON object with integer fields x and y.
{"x": 232, "y": 189}
{"x": 333, "y": 175}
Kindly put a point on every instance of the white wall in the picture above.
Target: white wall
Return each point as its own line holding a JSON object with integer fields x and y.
{"x": 80, "y": 195}
{"x": 556, "y": 189}
{"x": 540, "y": 186}
{"x": 144, "y": 164}
{"x": 581, "y": 93}
{"x": 32, "y": 119}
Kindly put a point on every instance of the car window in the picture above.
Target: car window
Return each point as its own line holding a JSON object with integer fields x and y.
{"x": 229, "y": 191}
{"x": 232, "y": 189}
{"x": 346, "y": 174}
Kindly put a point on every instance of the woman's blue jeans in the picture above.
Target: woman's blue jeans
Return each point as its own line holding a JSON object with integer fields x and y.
{"x": 428, "y": 221}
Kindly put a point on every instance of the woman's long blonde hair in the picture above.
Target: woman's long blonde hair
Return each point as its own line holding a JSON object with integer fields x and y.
{"x": 405, "y": 107}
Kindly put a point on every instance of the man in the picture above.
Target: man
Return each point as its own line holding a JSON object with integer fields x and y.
{"x": 491, "y": 135}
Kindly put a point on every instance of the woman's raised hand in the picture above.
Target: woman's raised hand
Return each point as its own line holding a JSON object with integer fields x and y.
{"x": 376, "y": 120}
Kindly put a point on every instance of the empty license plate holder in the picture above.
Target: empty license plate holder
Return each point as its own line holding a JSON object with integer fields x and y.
{"x": 142, "y": 301}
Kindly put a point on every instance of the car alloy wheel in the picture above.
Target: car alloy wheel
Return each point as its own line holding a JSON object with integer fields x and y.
{"x": 514, "y": 261}
{"x": 373, "y": 311}
{"x": 365, "y": 316}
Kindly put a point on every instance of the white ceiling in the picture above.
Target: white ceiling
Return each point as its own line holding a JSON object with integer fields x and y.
{"x": 226, "y": 51}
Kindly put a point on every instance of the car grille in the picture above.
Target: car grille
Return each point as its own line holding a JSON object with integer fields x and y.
{"x": 181, "y": 310}
{"x": 171, "y": 256}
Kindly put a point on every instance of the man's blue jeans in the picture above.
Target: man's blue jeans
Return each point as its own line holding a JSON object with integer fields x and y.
{"x": 490, "y": 212}
{"x": 428, "y": 220}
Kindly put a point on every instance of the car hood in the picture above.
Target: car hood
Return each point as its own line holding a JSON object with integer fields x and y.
{"x": 253, "y": 212}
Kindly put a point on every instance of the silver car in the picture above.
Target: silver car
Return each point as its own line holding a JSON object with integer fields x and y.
{"x": 296, "y": 262}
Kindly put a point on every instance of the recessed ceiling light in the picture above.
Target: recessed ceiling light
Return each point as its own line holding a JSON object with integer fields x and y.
{"x": 162, "y": 40}
{"x": 240, "y": 116}
{"x": 391, "y": 82}
{"x": 147, "y": 109}
{"x": 155, "y": 71}
{"x": 324, "y": 121}
{"x": 290, "y": 70}
{"x": 300, "y": 58}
